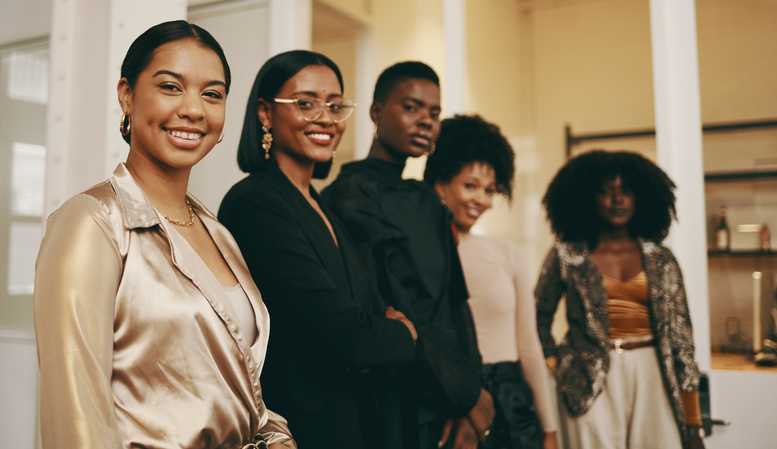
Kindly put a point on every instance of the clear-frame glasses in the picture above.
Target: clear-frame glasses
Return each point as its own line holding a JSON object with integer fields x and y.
{"x": 312, "y": 108}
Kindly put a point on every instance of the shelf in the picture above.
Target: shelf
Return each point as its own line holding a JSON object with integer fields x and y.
{"x": 740, "y": 176}
{"x": 740, "y": 253}
{"x": 574, "y": 139}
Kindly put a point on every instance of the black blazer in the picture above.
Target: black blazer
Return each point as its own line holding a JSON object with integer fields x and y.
{"x": 327, "y": 320}
{"x": 403, "y": 235}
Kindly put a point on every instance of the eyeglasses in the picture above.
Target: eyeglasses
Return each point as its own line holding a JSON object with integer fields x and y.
{"x": 312, "y": 107}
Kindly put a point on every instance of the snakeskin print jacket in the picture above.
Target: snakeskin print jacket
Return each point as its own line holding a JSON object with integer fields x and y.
{"x": 583, "y": 355}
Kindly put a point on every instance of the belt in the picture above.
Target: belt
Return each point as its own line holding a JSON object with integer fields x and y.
{"x": 620, "y": 344}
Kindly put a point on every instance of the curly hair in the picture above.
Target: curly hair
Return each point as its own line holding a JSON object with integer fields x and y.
{"x": 465, "y": 139}
{"x": 570, "y": 198}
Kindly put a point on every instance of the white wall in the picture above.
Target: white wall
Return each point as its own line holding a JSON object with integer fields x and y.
{"x": 21, "y": 20}
{"x": 747, "y": 399}
{"x": 246, "y": 51}
{"x": 18, "y": 389}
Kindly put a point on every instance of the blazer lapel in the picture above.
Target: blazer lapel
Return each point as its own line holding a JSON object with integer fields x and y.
{"x": 313, "y": 225}
{"x": 584, "y": 276}
{"x": 658, "y": 312}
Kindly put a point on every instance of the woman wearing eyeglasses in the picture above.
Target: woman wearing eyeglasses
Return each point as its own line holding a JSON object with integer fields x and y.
{"x": 334, "y": 343}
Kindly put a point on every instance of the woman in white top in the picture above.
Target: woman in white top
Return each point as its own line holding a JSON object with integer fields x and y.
{"x": 472, "y": 163}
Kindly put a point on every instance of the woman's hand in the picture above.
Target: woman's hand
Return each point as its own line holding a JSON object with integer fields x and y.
{"x": 552, "y": 361}
{"x": 395, "y": 314}
{"x": 550, "y": 441}
{"x": 466, "y": 435}
{"x": 482, "y": 414}
{"x": 696, "y": 441}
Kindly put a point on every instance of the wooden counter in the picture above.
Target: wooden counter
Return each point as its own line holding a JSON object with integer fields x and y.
{"x": 737, "y": 362}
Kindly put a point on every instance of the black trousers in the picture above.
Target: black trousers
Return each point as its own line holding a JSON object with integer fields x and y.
{"x": 516, "y": 424}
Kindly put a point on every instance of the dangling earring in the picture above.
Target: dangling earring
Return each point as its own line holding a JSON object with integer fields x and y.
{"x": 375, "y": 132}
{"x": 266, "y": 141}
{"x": 334, "y": 153}
{"x": 431, "y": 149}
{"x": 125, "y": 124}
{"x": 222, "y": 136}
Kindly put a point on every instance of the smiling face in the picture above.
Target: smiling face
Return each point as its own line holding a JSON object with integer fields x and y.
{"x": 408, "y": 121}
{"x": 469, "y": 194}
{"x": 296, "y": 139}
{"x": 177, "y": 106}
{"x": 615, "y": 203}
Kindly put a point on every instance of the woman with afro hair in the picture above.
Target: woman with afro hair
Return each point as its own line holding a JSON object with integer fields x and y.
{"x": 472, "y": 163}
{"x": 625, "y": 371}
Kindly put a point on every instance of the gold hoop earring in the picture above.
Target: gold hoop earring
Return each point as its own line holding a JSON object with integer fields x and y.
{"x": 266, "y": 141}
{"x": 431, "y": 149}
{"x": 222, "y": 136}
{"x": 125, "y": 124}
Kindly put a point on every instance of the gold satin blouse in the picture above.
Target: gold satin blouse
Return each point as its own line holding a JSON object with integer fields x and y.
{"x": 138, "y": 344}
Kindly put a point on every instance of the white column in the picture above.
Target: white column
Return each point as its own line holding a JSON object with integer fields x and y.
{"x": 678, "y": 138}
{"x": 455, "y": 29}
{"x": 89, "y": 39}
{"x": 365, "y": 84}
{"x": 128, "y": 21}
{"x": 290, "y": 25}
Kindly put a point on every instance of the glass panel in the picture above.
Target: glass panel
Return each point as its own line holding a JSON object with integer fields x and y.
{"x": 27, "y": 177}
{"x": 28, "y": 76}
{"x": 23, "y": 103}
{"x": 23, "y": 250}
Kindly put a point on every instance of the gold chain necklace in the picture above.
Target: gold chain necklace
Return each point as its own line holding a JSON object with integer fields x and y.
{"x": 182, "y": 223}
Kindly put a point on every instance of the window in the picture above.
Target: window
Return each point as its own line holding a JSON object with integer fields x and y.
{"x": 23, "y": 100}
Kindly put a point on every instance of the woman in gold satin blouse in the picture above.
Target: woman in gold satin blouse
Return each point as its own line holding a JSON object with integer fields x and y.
{"x": 150, "y": 331}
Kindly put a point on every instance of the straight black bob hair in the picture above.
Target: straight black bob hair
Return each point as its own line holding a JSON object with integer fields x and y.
{"x": 269, "y": 81}
{"x": 142, "y": 51}
{"x": 570, "y": 198}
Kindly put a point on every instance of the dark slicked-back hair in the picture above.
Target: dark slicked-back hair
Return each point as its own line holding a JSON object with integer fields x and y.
{"x": 142, "y": 50}
{"x": 269, "y": 81}
{"x": 400, "y": 72}
{"x": 570, "y": 198}
{"x": 465, "y": 139}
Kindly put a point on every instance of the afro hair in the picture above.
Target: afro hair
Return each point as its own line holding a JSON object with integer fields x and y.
{"x": 570, "y": 198}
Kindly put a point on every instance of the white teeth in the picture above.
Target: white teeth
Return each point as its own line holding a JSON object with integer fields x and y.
{"x": 320, "y": 136}
{"x": 187, "y": 136}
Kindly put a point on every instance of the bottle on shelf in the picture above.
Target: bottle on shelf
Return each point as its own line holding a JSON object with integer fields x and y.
{"x": 766, "y": 238}
{"x": 722, "y": 232}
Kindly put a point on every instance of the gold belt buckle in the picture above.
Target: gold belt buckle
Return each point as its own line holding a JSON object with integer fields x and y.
{"x": 618, "y": 342}
{"x": 255, "y": 445}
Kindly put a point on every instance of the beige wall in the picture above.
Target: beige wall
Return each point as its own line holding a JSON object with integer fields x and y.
{"x": 398, "y": 30}
{"x": 588, "y": 64}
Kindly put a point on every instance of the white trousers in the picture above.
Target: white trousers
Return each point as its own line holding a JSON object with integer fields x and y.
{"x": 632, "y": 412}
